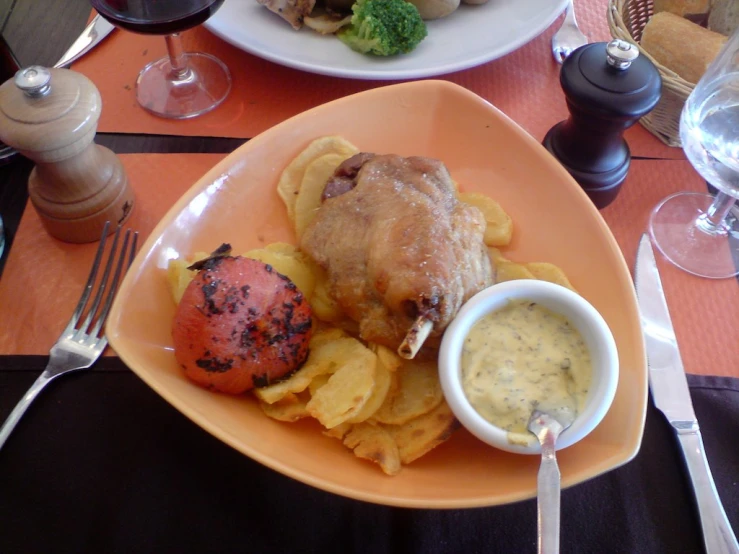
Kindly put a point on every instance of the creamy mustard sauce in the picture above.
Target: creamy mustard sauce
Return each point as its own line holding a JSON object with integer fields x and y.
{"x": 521, "y": 357}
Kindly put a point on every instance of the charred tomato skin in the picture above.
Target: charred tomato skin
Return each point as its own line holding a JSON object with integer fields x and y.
{"x": 240, "y": 325}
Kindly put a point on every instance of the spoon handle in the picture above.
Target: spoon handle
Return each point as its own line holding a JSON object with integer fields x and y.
{"x": 548, "y": 486}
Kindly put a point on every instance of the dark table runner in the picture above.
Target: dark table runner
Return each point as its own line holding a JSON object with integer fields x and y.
{"x": 100, "y": 463}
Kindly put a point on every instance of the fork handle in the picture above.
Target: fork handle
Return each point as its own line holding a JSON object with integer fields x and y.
{"x": 22, "y": 406}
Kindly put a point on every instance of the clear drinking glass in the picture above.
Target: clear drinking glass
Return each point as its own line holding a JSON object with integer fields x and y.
{"x": 183, "y": 84}
{"x": 699, "y": 232}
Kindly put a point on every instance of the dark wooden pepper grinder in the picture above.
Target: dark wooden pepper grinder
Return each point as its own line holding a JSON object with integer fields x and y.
{"x": 608, "y": 87}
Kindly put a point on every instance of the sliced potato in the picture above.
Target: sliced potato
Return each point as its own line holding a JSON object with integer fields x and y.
{"x": 389, "y": 358}
{"x": 292, "y": 176}
{"x": 509, "y": 271}
{"x": 383, "y": 382}
{"x": 297, "y": 382}
{"x": 499, "y": 229}
{"x": 549, "y": 272}
{"x": 290, "y": 408}
{"x": 178, "y": 276}
{"x": 284, "y": 248}
{"x": 327, "y": 334}
{"x": 372, "y": 442}
{"x": 418, "y": 392}
{"x": 346, "y": 391}
{"x": 317, "y": 382}
{"x": 419, "y": 435}
{"x": 308, "y": 200}
{"x": 326, "y": 356}
{"x": 339, "y": 431}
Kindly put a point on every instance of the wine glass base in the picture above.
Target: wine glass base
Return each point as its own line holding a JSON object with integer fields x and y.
{"x": 205, "y": 84}
{"x": 691, "y": 242}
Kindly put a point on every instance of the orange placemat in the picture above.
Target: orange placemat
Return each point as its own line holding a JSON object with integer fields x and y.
{"x": 43, "y": 277}
{"x": 523, "y": 84}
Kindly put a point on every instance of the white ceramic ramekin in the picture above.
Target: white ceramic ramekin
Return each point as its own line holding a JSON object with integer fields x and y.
{"x": 583, "y": 316}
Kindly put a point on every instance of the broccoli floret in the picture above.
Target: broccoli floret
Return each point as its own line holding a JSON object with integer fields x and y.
{"x": 383, "y": 27}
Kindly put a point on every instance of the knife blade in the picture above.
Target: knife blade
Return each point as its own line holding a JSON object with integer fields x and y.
{"x": 96, "y": 31}
{"x": 669, "y": 387}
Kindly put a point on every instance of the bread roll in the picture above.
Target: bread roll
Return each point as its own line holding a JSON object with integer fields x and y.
{"x": 724, "y": 16}
{"x": 683, "y": 7}
{"x": 681, "y": 45}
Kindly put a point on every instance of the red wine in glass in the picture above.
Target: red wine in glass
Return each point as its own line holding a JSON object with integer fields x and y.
{"x": 181, "y": 85}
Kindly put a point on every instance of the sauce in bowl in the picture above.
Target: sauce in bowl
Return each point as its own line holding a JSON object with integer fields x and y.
{"x": 521, "y": 357}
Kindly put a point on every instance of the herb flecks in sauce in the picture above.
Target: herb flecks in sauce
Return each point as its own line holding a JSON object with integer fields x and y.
{"x": 520, "y": 357}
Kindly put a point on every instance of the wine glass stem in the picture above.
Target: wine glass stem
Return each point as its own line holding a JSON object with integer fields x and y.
{"x": 177, "y": 58}
{"x": 712, "y": 222}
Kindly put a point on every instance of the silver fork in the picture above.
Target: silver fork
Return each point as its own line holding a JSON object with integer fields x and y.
{"x": 568, "y": 37}
{"x": 81, "y": 344}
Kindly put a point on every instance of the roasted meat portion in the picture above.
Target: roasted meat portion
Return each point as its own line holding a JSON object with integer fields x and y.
{"x": 292, "y": 11}
{"x": 401, "y": 252}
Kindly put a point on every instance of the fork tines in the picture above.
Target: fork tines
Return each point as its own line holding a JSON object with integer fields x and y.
{"x": 96, "y": 313}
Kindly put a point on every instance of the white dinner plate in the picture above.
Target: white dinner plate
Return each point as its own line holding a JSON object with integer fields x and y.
{"x": 470, "y": 36}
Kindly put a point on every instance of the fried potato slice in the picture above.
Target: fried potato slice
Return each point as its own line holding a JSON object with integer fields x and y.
{"x": 499, "y": 229}
{"x": 289, "y": 408}
{"x": 389, "y": 358}
{"x": 317, "y": 382}
{"x": 347, "y": 390}
{"x": 284, "y": 248}
{"x": 325, "y": 357}
{"x": 178, "y": 276}
{"x": 292, "y": 265}
{"x": 326, "y": 334}
{"x": 338, "y": 432}
{"x": 372, "y": 442}
{"x": 419, "y": 435}
{"x": 297, "y": 382}
{"x": 510, "y": 271}
{"x": 383, "y": 382}
{"x": 418, "y": 392}
{"x": 549, "y": 272}
{"x": 308, "y": 199}
{"x": 292, "y": 176}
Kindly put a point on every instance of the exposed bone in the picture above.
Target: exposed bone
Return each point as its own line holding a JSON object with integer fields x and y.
{"x": 417, "y": 335}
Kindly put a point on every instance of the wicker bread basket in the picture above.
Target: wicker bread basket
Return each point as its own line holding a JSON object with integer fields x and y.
{"x": 626, "y": 19}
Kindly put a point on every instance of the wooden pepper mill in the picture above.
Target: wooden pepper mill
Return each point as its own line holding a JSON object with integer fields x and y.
{"x": 50, "y": 116}
{"x": 608, "y": 87}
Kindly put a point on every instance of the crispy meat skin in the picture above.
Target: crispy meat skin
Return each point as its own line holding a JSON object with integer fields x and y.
{"x": 398, "y": 245}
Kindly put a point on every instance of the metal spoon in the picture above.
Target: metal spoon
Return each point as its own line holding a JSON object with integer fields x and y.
{"x": 547, "y": 428}
{"x": 568, "y": 37}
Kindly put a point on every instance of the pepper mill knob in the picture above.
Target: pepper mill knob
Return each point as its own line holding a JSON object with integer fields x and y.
{"x": 608, "y": 87}
{"x": 50, "y": 116}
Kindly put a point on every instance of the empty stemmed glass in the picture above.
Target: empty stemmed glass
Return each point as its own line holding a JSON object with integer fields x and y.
{"x": 699, "y": 232}
{"x": 182, "y": 84}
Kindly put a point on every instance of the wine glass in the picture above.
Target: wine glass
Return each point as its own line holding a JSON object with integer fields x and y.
{"x": 180, "y": 85}
{"x": 698, "y": 232}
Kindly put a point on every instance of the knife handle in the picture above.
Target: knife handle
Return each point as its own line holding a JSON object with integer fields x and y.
{"x": 717, "y": 533}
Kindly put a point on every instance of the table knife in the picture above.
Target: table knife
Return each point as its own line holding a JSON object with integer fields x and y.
{"x": 669, "y": 388}
{"x": 96, "y": 31}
